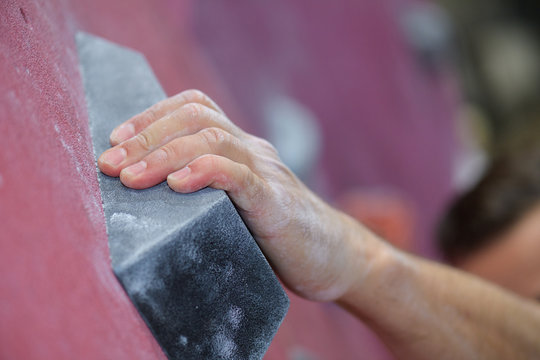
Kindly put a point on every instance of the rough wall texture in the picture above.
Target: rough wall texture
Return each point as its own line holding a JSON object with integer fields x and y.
{"x": 58, "y": 296}
{"x": 385, "y": 121}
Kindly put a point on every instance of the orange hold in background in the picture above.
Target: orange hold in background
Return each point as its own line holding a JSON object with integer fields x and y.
{"x": 387, "y": 213}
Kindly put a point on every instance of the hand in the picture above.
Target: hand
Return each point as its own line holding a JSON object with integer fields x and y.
{"x": 188, "y": 140}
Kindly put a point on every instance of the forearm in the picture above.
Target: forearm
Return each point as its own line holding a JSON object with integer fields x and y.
{"x": 423, "y": 310}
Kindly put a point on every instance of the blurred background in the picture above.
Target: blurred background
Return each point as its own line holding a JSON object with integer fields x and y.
{"x": 388, "y": 109}
{"x": 498, "y": 44}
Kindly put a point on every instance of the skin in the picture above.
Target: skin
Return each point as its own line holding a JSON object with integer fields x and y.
{"x": 422, "y": 310}
{"x": 512, "y": 259}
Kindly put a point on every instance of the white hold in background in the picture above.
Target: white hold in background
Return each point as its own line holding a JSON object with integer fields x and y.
{"x": 429, "y": 32}
{"x": 301, "y": 353}
{"x": 471, "y": 159}
{"x": 294, "y": 131}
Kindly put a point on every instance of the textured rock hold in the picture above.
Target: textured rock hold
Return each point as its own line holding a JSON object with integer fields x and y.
{"x": 188, "y": 262}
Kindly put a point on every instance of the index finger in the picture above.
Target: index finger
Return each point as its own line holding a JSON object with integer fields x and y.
{"x": 141, "y": 121}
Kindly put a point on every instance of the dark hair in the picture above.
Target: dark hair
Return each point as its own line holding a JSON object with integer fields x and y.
{"x": 509, "y": 188}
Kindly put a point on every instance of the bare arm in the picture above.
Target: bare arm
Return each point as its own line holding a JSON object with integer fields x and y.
{"x": 420, "y": 309}
{"x": 424, "y": 310}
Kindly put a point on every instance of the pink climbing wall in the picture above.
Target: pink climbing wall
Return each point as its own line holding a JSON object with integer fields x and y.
{"x": 386, "y": 117}
{"x": 385, "y": 121}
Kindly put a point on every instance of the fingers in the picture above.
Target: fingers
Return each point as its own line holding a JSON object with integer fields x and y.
{"x": 188, "y": 119}
{"x": 176, "y": 154}
{"x": 188, "y": 140}
{"x": 245, "y": 188}
{"x": 141, "y": 121}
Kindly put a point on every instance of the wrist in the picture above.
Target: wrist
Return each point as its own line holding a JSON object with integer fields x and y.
{"x": 375, "y": 269}
{"x": 360, "y": 254}
{"x": 337, "y": 248}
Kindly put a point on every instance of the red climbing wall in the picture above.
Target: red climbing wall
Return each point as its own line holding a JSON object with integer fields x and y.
{"x": 58, "y": 296}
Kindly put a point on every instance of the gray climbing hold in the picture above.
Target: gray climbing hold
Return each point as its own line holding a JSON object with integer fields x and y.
{"x": 188, "y": 262}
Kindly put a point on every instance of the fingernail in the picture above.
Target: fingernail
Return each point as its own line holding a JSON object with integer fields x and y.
{"x": 124, "y": 132}
{"x": 180, "y": 174}
{"x": 114, "y": 157}
{"x": 136, "y": 169}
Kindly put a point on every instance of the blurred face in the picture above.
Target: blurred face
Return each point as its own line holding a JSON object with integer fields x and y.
{"x": 513, "y": 260}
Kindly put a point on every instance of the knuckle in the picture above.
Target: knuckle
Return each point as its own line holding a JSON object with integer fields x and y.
{"x": 248, "y": 175}
{"x": 279, "y": 166}
{"x": 168, "y": 152}
{"x": 265, "y": 145}
{"x": 144, "y": 140}
{"x": 208, "y": 161}
{"x": 250, "y": 183}
{"x": 192, "y": 110}
{"x": 194, "y": 95}
{"x": 151, "y": 114}
{"x": 214, "y": 136}
{"x": 216, "y": 163}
